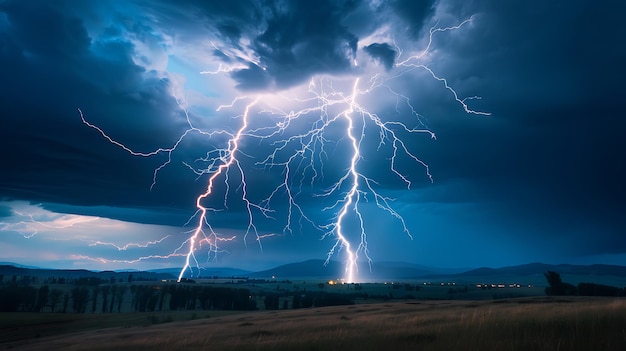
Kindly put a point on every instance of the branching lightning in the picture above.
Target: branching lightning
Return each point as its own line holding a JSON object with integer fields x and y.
{"x": 300, "y": 159}
{"x": 352, "y": 197}
{"x": 230, "y": 159}
{"x": 30, "y": 226}
{"x": 130, "y": 245}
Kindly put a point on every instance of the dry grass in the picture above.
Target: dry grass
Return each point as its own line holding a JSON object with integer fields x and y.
{"x": 517, "y": 324}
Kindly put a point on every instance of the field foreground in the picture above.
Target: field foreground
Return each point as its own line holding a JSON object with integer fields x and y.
{"x": 515, "y": 324}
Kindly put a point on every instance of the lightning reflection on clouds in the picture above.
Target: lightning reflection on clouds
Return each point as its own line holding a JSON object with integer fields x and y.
{"x": 294, "y": 133}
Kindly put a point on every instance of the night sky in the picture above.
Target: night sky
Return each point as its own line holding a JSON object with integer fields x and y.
{"x": 540, "y": 179}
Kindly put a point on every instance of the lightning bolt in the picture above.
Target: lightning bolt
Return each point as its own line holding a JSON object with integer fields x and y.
{"x": 300, "y": 158}
{"x": 230, "y": 158}
{"x": 31, "y": 227}
{"x": 130, "y": 245}
{"x": 352, "y": 197}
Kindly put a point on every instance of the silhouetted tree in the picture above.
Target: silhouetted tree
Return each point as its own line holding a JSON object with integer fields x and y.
{"x": 557, "y": 286}
{"x": 15, "y": 298}
{"x": 80, "y": 294}
{"x": 192, "y": 299}
{"x": 307, "y": 300}
{"x": 271, "y": 302}
{"x": 120, "y": 297}
{"x": 55, "y": 297}
{"x": 105, "y": 294}
{"x": 94, "y": 296}
{"x": 555, "y": 283}
{"x": 162, "y": 292}
{"x": 113, "y": 294}
{"x": 297, "y": 300}
{"x": 66, "y": 301}
{"x": 91, "y": 281}
{"x": 42, "y": 298}
{"x": 152, "y": 300}
{"x": 144, "y": 300}
{"x": 176, "y": 301}
{"x": 133, "y": 293}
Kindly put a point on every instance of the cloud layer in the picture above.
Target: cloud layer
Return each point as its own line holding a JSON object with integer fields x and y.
{"x": 541, "y": 177}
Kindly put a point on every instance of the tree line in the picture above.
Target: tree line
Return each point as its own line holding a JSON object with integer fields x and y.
{"x": 111, "y": 298}
{"x": 557, "y": 287}
{"x": 87, "y": 297}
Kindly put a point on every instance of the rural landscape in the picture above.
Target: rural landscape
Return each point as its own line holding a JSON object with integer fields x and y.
{"x": 424, "y": 175}
{"x": 511, "y": 308}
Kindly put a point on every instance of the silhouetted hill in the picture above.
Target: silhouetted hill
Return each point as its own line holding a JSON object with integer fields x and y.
{"x": 316, "y": 269}
{"x": 540, "y": 268}
{"x": 10, "y": 270}
{"x": 311, "y": 269}
{"x": 531, "y": 273}
{"x": 399, "y": 270}
{"x": 17, "y": 265}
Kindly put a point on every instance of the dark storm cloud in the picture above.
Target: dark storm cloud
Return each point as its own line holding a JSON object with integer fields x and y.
{"x": 546, "y": 167}
{"x": 301, "y": 39}
{"x": 229, "y": 20}
{"x": 552, "y": 78}
{"x": 290, "y": 41}
{"x": 51, "y": 67}
{"x": 55, "y": 35}
{"x": 414, "y": 13}
{"x": 253, "y": 78}
{"x": 383, "y": 52}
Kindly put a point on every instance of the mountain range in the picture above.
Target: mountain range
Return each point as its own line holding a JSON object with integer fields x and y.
{"x": 8, "y": 269}
{"x": 532, "y": 273}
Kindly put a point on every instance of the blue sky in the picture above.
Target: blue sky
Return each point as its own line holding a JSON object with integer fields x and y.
{"x": 538, "y": 179}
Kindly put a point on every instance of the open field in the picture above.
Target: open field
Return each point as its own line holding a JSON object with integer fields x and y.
{"x": 18, "y": 326}
{"x": 534, "y": 323}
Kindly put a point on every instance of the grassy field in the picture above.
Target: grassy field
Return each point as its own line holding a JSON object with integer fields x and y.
{"x": 532, "y": 323}
{"x": 19, "y": 326}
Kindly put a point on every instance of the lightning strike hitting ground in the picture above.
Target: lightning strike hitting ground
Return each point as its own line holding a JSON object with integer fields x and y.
{"x": 352, "y": 197}
{"x": 230, "y": 160}
{"x": 333, "y": 123}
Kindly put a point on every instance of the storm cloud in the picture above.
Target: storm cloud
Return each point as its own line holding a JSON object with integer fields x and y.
{"x": 541, "y": 177}
{"x": 382, "y": 52}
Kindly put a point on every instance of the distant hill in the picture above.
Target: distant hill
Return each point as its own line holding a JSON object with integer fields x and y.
{"x": 316, "y": 269}
{"x": 528, "y": 273}
{"x": 540, "y": 268}
{"x": 531, "y": 273}
{"x": 311, "y": 269}
{"x": 17, "y": 265}
{"x": 10, "y": 270}
{"x": 402, "y": 270}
